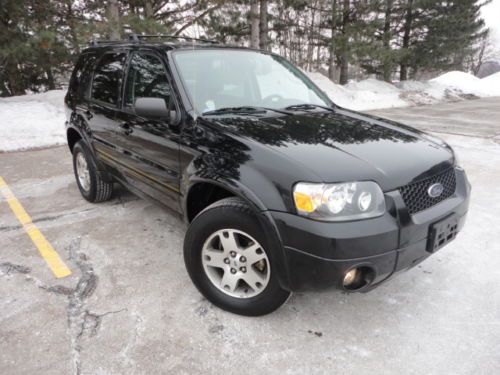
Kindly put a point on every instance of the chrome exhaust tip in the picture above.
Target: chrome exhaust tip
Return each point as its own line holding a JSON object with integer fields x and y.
{"x": 358, "y": 278}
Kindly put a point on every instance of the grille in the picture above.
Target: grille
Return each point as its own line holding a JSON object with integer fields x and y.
{"x": 415, "y": 194}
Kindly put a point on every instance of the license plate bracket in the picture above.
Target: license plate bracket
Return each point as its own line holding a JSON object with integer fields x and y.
{"x": 442, "y": 232}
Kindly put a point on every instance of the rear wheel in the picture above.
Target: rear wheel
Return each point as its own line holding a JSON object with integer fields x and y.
{"x": 230, "y": 260}
{"x": 90, "y": 183}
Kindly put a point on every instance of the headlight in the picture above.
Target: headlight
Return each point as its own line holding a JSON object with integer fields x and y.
{"x": 338, "y": 202}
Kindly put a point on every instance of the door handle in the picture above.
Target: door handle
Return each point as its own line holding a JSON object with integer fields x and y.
{"x": 126, "y": 128}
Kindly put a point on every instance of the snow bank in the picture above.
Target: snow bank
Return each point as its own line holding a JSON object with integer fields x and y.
{"x": 32, "y": 121}
{"x": 374, "y": 94}
{"x": 461, "y": 80}
{"x": 468, "y": 84}
{"x": 363, "y": 95}
{"x": 492, "y": 81}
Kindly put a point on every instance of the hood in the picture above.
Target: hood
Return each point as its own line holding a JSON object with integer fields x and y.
{"x": 344, "y": 146}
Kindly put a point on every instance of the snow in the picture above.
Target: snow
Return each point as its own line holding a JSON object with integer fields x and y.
{"x": 37, "y": 120}
{"x": 32, "y": 121}
{"x": 468, "y": 84}
{"x": 371, "y": 94}
{"x": 492, "y": 80}
{"x": 363, "y": 95}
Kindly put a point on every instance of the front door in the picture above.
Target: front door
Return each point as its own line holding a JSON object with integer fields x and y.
{"x": 149, "y": 145}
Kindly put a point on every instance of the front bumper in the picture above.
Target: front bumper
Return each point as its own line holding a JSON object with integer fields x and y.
{"x": 318, "y": 254}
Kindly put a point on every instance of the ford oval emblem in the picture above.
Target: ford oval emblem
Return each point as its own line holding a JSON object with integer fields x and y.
{"x": 435, "y": 190}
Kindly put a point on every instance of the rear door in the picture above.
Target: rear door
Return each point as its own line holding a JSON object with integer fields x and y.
{"x": 103, "y": 105}
{"x": 149, "y": 146}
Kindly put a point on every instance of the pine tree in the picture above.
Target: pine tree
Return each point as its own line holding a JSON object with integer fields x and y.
{"x": 455, "y": 29}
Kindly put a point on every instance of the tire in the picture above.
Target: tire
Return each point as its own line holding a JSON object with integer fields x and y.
{"x": 90, "y": 183}
{"x": 204, "y": 252}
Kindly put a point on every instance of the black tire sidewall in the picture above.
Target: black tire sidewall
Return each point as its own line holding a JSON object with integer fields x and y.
{"x": 89, "y": 195}
{"x": 231, "y": 217}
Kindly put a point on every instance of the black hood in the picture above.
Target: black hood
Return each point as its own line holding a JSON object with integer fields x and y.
{"x": 343, "y": 146}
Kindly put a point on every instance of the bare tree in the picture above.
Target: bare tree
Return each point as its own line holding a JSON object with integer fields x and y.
{"x": 487, "y": 53}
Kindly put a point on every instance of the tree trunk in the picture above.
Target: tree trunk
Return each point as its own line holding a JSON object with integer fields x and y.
{"x": 50, "y": 78}
{"x": 343, "y": 56}
{"x": 148, "y": 9}
{"x": 331, "y": 58}
{"x": 310, "y": 44}
{"x": 263, "y": 40}
{"x": 386, "y": 40}
{"x": 72, "y": 26}
{"x": 114, "y": 26}
{"x": 403, "y": 70}
{"x": 14, "y": 79}
{"x": 254, "y": 24}
{"x": 318, "y": 39}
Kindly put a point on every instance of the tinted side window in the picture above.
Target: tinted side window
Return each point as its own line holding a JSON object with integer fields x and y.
{"x": 86, "y": 77}
{"x": 146, "y": 78}
{"x": 80, "y": 79}
{"x": 108, "y": 77}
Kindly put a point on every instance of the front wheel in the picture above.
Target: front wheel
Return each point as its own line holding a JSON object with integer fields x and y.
{"x": 230, "y": 261}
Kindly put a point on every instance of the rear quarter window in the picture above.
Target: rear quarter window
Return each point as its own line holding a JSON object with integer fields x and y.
{"x": 81, "y": 76}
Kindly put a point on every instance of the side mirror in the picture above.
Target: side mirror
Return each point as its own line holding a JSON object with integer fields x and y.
{"x": 155, "y": 107}
{"x": 151, "y": 107}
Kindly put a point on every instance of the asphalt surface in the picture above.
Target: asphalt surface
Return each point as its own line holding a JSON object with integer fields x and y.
{"x": 129, "y": 306}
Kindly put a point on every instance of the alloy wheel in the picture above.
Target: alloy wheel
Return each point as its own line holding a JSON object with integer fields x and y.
{"x": 82, "y": 171}
{"x": 236, "y": 263}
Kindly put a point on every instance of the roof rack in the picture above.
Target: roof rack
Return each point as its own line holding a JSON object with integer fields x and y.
{"x": 138, "y": 37}
{"x": 95, "y": 42}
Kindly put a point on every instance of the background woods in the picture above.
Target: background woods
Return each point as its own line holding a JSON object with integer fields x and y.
{"x": 345, "y": 39}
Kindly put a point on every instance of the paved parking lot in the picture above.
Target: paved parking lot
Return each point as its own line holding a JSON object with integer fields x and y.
{"x": 129, "y": 306}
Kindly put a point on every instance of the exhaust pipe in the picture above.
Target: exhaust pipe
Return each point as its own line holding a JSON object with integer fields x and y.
{"x": 357, "y": 278}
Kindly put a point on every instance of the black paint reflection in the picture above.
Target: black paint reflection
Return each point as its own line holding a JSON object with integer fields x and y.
{"x": 315, "y": 128}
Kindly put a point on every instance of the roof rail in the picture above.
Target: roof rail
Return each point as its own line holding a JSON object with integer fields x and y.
{"x": 138, "y": 37}
{"x": 96, "y": 42}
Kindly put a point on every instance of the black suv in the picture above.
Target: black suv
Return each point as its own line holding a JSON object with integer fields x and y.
{"x": 282, "y": 189}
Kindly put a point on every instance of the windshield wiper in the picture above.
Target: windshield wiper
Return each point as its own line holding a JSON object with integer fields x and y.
{"x": 244, "y": 110}
{"x": 307, "y": 106}
{"x": 236, "y": 110}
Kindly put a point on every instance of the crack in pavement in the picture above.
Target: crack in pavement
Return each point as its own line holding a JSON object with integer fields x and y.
{"x": 47, "y": 219}
{"x": 6, "y": 268}
{"x": 76, "y": 307}
{"x": 80, "y": 319}
{"x": 92, "y": 321}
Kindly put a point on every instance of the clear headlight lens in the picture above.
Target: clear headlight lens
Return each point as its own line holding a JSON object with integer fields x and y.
{"x": 338, "y": 202}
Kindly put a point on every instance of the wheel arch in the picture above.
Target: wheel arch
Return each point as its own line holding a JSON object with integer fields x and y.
{"x": 72, "y": 136}
{"x": 203, "y": 192}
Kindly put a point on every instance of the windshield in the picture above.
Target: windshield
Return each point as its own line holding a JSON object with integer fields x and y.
{"x": 222, "y": 78}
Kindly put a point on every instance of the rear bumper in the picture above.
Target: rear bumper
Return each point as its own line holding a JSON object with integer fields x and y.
{"x": 318, "y": 254}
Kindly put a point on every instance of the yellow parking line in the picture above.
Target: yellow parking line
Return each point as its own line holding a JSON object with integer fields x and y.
{"x": 48, "y": 253}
